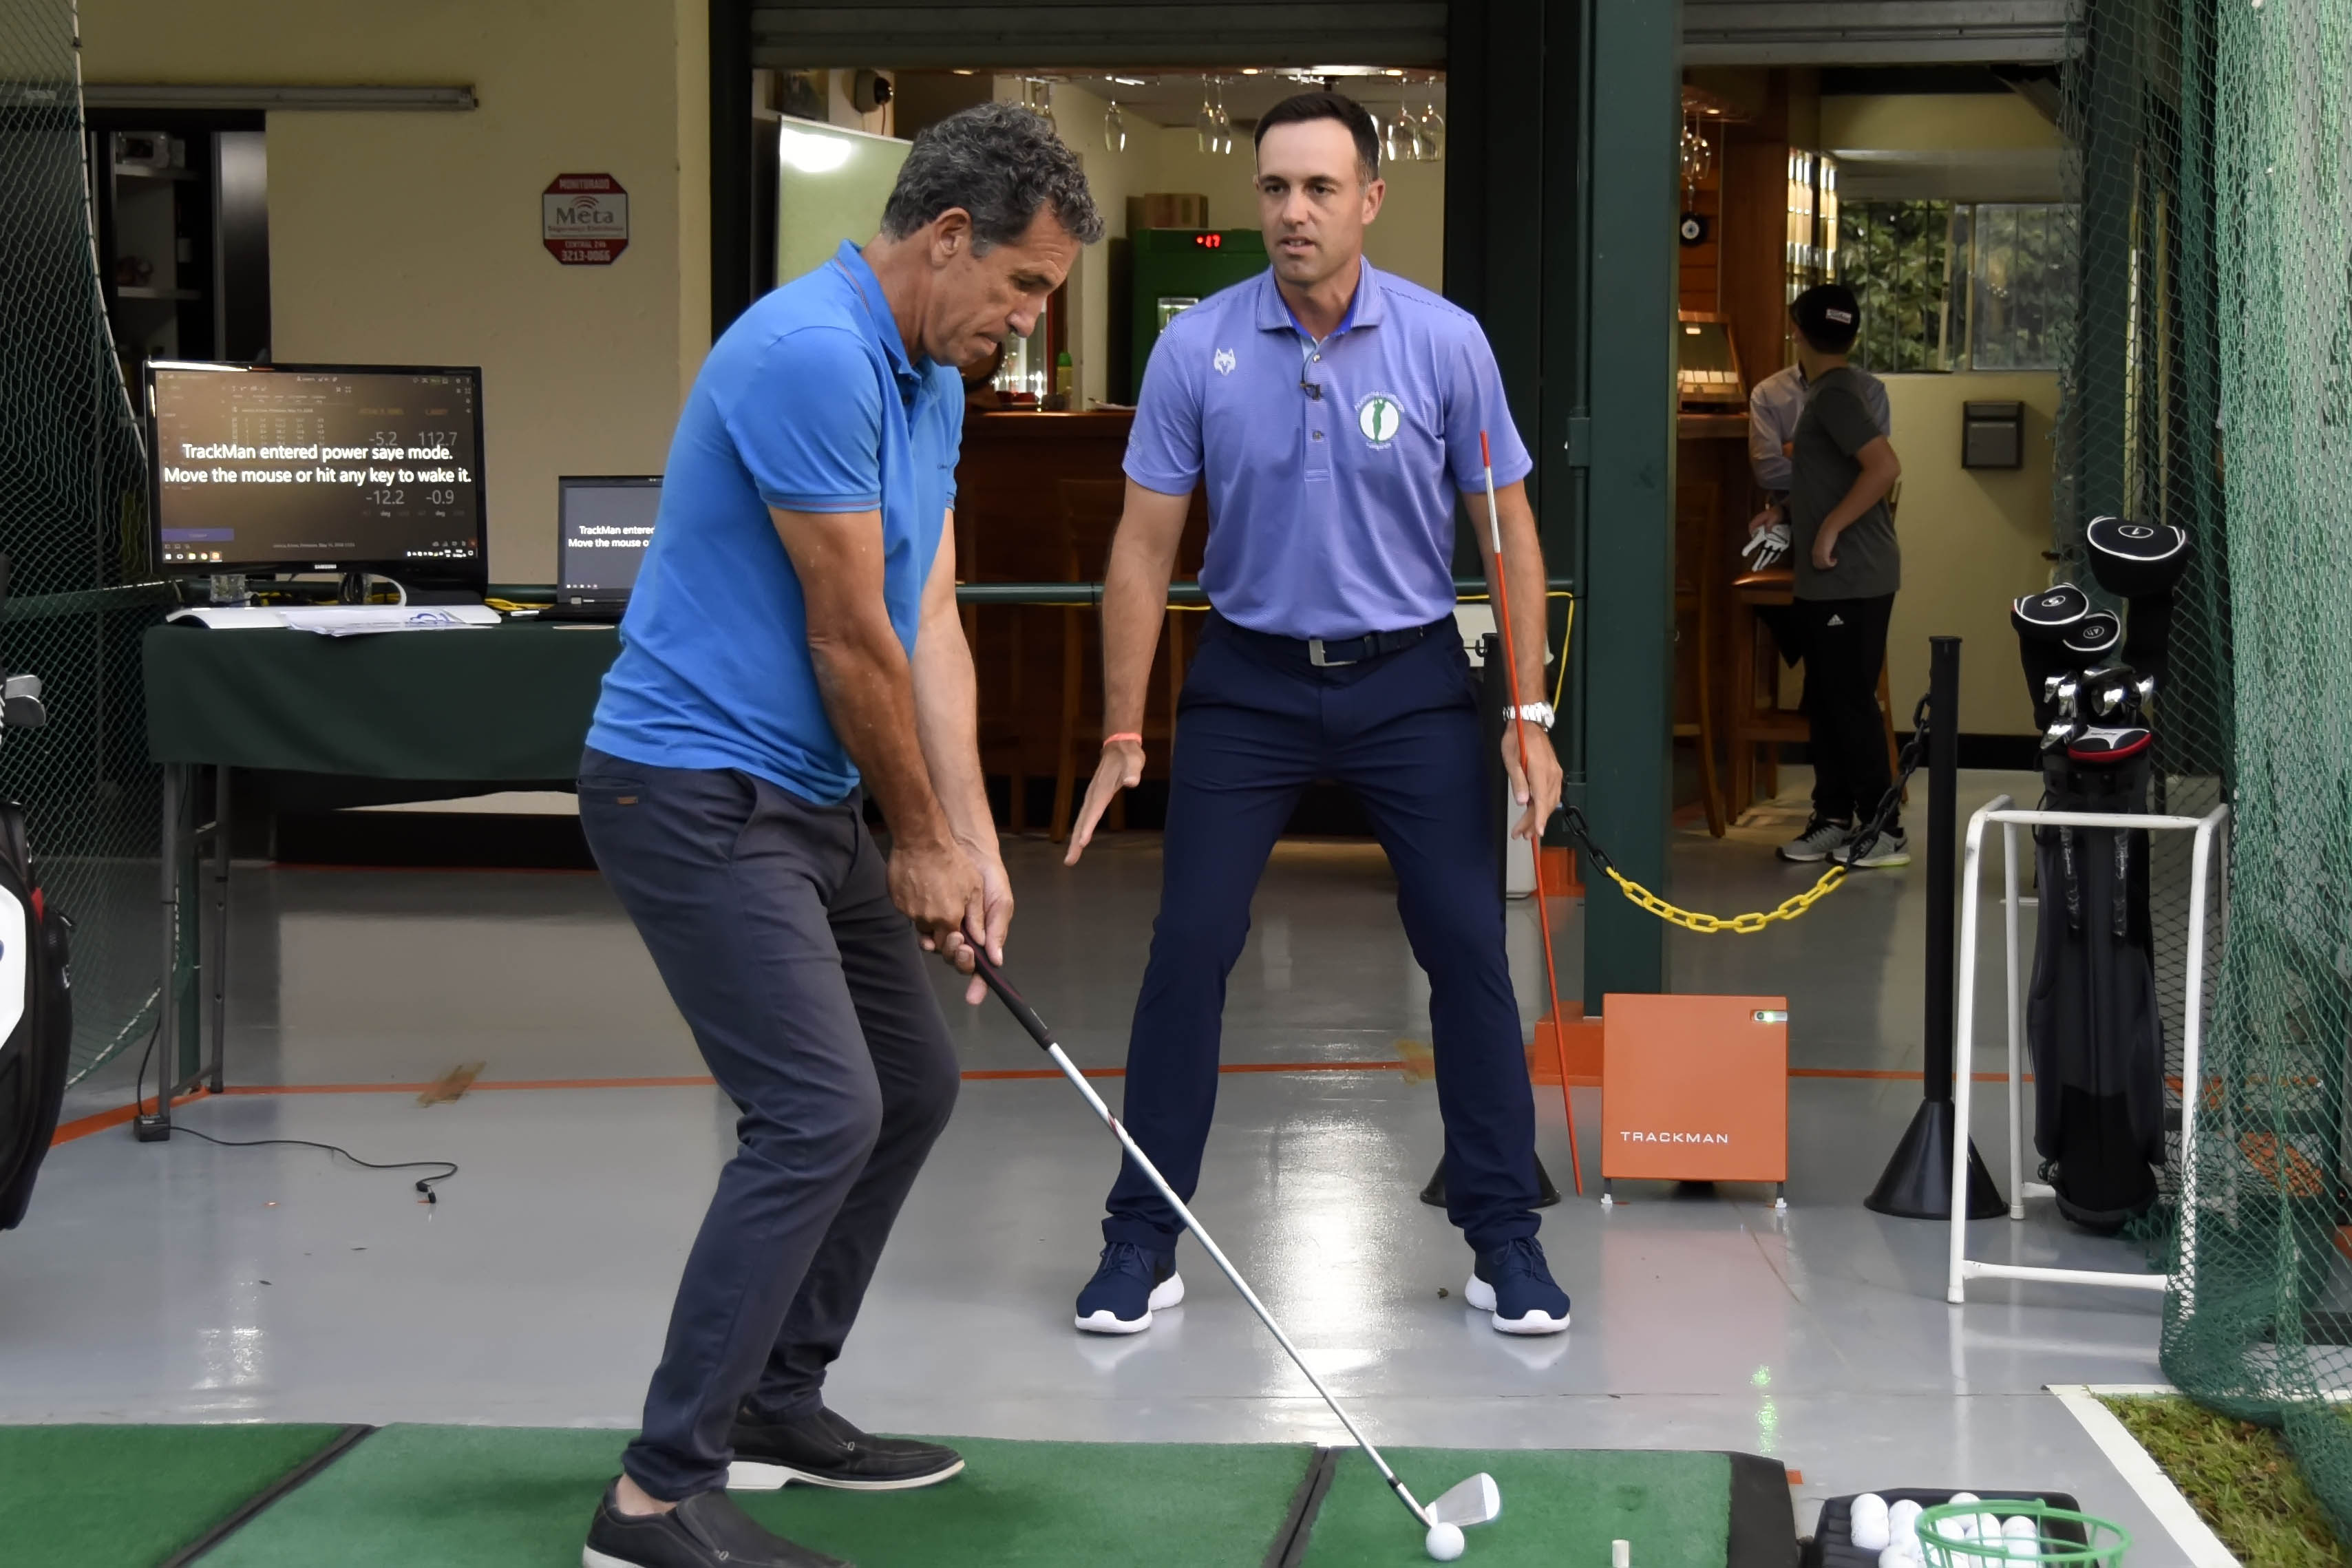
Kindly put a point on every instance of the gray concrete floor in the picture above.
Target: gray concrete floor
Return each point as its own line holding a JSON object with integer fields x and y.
{"x": 182, "y": 1281}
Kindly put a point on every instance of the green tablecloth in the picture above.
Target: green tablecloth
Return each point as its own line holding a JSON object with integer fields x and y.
{"x": 508, "y": 703}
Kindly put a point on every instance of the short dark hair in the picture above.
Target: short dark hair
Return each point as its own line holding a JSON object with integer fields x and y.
{"x": 1300, "y": 108}
{"x": 999, "y": 162}
{"x": 1828, "y": 315}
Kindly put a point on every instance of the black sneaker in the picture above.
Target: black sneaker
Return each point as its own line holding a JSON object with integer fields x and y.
{"x": 1820, "y": 839}
{"x": 825, "y": 1450}
{"x": 706, "y": 1530}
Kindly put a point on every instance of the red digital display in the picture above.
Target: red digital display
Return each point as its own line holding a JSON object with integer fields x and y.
{"x": 1209, "y": 241}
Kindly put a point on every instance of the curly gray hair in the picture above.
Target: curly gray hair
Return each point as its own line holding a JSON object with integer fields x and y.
{"x": 1000, "y": 163}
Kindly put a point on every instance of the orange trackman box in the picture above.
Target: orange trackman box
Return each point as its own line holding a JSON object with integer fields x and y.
{"x": 1695, "y": 1089}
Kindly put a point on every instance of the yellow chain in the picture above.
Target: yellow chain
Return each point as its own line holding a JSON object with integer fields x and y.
{"x": 1745, "y": 925}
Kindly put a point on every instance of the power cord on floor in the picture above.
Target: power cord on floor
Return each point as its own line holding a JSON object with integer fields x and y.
{"x": 424, "y": 1185}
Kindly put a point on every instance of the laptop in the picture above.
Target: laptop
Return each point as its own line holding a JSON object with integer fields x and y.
{"x": 603, "y": 525}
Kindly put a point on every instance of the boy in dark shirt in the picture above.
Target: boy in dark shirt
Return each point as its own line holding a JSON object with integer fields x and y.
{"x": 1848, "y": 568}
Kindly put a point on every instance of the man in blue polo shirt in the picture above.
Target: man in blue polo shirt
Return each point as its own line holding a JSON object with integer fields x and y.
{"x": 1334, "y": 414}
{"x": 791, "y": 641}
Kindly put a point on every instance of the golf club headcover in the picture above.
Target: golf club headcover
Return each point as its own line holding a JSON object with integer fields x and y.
{"x": 2095, "y": 637}
{"x": 2048, "y": 616}
{"x": 2132, "y": 560}
{"x": 2043, "y": 622}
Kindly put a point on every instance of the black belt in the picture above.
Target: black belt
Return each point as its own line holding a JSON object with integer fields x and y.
{"x": 1326, "y": 653}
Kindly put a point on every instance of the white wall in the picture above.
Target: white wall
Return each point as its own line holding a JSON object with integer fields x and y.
{"x": 415, "y": 238}
{"x": 1972, "y": 540}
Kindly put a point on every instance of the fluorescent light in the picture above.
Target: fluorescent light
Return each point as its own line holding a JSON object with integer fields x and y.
{"x": 811, "y": 154}
{"x": 1348, "y": 71}
{"x": 1134, "y": 81}
{"x": 1249, "y": 70}
{"x": 208, "y": 95}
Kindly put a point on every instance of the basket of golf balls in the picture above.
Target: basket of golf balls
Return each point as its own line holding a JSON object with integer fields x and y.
{"x": 1968, "y": 1533}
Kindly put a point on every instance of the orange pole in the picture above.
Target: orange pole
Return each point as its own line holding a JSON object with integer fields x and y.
{"x": 1543, "y": 908}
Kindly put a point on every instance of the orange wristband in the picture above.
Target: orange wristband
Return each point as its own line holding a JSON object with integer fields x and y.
{"x": 1129, "y": 735}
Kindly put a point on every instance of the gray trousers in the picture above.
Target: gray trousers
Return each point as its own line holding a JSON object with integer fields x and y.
{"x": 771, "y": 922}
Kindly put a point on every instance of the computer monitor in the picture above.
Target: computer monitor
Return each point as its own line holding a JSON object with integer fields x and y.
{"x": 603, "y": 525}
{"x": 317, "y": 468}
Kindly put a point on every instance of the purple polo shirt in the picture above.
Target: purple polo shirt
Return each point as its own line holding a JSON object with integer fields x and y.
{"x": 1331, "y": 516}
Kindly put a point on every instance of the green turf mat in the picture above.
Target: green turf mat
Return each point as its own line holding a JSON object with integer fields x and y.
{"x": 458, "y": 1497}
{"x": 129, "y": 1496}
{"x": 1561, "y": 1508}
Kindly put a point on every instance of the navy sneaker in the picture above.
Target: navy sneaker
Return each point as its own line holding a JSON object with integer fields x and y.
{"x": 1514, "y": 1284}
{"x": 1129, "y": 1285}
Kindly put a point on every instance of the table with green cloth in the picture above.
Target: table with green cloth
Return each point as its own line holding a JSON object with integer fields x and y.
{"x": 505, "y": 703}
{"x": 444, "y": 709}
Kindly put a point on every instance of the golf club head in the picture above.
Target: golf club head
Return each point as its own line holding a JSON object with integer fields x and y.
{"x": 1474, "y": 1501}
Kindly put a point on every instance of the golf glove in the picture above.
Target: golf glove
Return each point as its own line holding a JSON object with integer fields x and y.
{"x": 1767, "y": 545}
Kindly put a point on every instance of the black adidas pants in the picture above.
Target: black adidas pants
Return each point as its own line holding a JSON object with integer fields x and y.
{"x": 1845, "y": 646}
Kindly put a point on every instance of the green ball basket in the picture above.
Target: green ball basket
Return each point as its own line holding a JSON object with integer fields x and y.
{"x": 2061, "y": 1537}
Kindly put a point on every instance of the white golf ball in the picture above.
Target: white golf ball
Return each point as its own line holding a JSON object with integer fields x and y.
{"x": 1868, "y": 1522}
{"x": 1443, "y": 1541}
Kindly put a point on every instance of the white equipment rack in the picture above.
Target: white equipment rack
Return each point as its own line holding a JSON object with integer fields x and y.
{"x": 2209, "y": 829}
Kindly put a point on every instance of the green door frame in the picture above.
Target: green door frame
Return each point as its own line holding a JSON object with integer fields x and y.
{"x": 1565, "y": 115}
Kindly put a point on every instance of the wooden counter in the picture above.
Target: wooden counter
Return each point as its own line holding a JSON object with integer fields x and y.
{"x": 1011, "y": 526}
{"x": 1713, "y": 492}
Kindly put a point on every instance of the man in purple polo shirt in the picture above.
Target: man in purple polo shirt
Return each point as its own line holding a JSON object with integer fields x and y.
{"x": 1334, "y": 414}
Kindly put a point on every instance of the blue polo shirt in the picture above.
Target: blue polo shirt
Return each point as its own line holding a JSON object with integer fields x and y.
{"x": 1331, "y": 515}
{"x": 808, "y": 402}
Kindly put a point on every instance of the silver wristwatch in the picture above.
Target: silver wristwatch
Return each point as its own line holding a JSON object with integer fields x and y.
{"x": 1535, "y": 713}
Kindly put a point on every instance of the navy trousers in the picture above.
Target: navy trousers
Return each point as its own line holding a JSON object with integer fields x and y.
{"x": 771, "y": 922}
{"x": 1258, "y": 724}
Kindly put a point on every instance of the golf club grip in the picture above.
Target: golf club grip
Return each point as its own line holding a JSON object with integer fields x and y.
{"x": 1022, "y": 1012}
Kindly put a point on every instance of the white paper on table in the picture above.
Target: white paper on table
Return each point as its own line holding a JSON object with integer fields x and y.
{"x": 343, "y": 620}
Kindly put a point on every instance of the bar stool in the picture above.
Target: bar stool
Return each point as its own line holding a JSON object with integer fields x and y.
{"x": 1694, "y": 596}
{"x": 1001, "y": 739}
{"x": 1758, "y": 720}
{"x": 1091, "y": 508}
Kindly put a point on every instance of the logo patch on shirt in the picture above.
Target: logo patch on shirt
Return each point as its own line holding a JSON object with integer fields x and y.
{"x": 1223, "y": 361}
{"x": 1380, "y": 416}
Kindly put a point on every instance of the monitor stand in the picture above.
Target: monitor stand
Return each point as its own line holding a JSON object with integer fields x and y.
{"x": 353, "y": 590}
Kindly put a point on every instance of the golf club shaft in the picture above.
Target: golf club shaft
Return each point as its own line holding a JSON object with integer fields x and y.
{"x": 1535, "y": 844}
{"x": 1035, "y": 1025}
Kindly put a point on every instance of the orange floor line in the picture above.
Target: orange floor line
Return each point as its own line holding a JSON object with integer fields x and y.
{"x": 83, "y": 1127}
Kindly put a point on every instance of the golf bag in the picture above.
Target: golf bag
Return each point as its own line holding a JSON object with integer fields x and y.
{"x": 36, "y": 999}
{"x": 2093, "y": 1024}
{"x": 35, "y": 1019}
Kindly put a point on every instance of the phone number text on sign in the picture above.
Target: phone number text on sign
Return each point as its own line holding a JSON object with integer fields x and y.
{"x": 584, "y": 219}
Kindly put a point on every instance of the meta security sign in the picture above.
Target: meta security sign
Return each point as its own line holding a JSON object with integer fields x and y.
{"x": 584, "y": 219}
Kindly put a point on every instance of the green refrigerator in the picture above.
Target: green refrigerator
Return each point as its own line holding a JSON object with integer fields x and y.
{"x": 1175, "y": 269}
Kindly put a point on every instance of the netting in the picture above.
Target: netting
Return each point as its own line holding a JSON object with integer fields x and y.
{"x": 2210, "y": 386}
{"x": 72, "y": 523}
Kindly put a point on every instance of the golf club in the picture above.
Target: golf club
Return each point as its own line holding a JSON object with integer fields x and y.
{"x": 1535, "y": 844}
{"x": 1474, "y": 1501}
